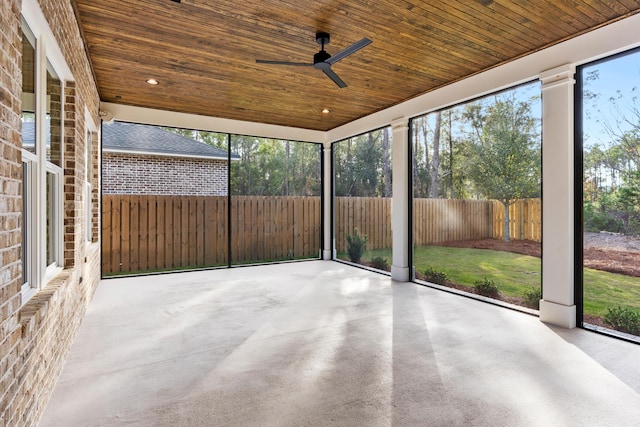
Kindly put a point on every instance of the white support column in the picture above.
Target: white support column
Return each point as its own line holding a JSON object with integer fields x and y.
{"x": 400, "y": 203}
{"x": 328, "y": 194}
{"x": 557, "y": 305}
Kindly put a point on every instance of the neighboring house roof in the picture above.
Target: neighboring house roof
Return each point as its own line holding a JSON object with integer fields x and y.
{"x": 122, "y": 137}
{"x": 125, "y": 137}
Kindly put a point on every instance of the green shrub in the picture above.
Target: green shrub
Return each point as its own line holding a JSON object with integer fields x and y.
{"x": 486, "y": 288}
{"x": 623, "y": 319}
{"x": 435, "y": 276}
{"x": 356, "y": 245}
{"x": 602, "y": 218}
{"x": 532, "y": 297}
{"x": 380, "y": 263}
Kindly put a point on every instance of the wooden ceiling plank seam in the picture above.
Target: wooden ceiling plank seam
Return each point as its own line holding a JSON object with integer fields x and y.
{"x": 536, "y": 23}
{"x": 515, "y": 17}
{"x": 452, "y": 14}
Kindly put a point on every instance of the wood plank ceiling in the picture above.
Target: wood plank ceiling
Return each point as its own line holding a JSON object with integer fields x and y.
{"x": 203, "y": 52}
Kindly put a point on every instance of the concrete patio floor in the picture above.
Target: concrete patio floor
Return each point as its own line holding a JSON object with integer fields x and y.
{"x": 321, "y": 343}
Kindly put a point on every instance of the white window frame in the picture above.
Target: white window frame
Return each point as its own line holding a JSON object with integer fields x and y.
{"x": 50, "y": 270}
{"x": 29, "y": 162}
{"x": 91, "y": 132}
{"x": 37, "y": 270}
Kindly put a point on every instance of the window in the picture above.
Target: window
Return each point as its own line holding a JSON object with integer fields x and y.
{"x": 216, "y": 199}
{"x": 476, "y": 196}
{"x": 610, "y": 194}
{"x": 88, "y": 174}
{"x": 29, "y": 159}
{"x": 42, "y": 174}
{"x": 362, "y": 202}
{"x": 275, "y": 189}
{"x": 28, "y": 201}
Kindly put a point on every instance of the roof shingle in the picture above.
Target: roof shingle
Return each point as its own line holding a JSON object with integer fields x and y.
{"x": 131, "y": 137}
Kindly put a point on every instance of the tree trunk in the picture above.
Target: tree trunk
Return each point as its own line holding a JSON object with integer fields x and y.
{"x": 435, "y": 160}
{"x": 349, "y": 171}
{"x": 287, "y": 183}
{"x": 452, "y": 190}
{"x": 386, "y": 163}
{"x": 507, "y": 237}
{"x": 414, "y": 162}
{"x": 427, "y": 160}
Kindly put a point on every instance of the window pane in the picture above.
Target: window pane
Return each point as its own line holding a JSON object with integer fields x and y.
{"x": 88, "y": 157}
{"x": 88, "y": 161}
{"x": 51, "y": 218}
{"x": 476, "y": 187}
{"x": 275, "y": 200}
{"x": 26, "y": 233}
{"x": 54, "y": 118}
{"x": 164, "y": 198}
{"x": 362, "y": 168}
{"x": 28, "y": 89}
{"x": 611, "y": 194}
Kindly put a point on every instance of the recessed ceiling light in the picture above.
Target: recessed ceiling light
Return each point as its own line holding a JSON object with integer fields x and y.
{"x": 325, "y": 111}
{"x": 152, "y": 81}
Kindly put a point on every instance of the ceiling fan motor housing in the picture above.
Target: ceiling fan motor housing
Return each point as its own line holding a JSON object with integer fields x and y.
{"x": 320, "y": 58}
{"x": 322, "y": 38}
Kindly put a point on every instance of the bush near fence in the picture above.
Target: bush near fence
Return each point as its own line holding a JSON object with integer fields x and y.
{"x": 148, "y": 233}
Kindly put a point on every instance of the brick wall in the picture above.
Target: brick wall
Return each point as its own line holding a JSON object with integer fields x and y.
{"x": 35, "y": 337}
{"x": 10, "y": 199}
{"x": 141, "y": 174}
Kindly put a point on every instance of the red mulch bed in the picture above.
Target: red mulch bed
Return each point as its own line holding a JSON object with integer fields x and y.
{"x": 614, "y": 261}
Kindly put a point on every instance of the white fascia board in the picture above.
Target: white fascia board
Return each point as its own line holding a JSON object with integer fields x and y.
{"x": 608, "y": 40}
{"x": 212, "y": 124}
{"x": 156, "y": 154}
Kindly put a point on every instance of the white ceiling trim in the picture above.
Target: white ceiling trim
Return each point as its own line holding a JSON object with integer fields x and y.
{"x": 151, "y": 116}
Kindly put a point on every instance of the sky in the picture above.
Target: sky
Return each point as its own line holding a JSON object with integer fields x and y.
{"x": 618, "y": 74}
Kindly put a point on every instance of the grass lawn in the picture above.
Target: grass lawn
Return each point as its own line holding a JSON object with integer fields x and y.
{"x": 514, "y": 274}
{"x": 603, "y": 290}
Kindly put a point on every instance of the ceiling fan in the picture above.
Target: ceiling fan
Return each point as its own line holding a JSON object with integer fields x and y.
{"x": 322, "y": 60}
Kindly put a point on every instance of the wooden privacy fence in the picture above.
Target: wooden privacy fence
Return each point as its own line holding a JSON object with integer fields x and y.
{"x": 441, "y": 220}
{"x": 147, "y": 233}
{"x": 370, "y": 215}
{"x": 525, "y": 220}
{"x": 436, "y": 220}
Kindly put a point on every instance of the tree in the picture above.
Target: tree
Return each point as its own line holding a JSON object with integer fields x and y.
{"x": 363, "y": 165}
{"x": 504, "y": 151}
{"x": 386, "y": 162}
{"x": 435, "y": 161}
{"x": 610, "y": 166}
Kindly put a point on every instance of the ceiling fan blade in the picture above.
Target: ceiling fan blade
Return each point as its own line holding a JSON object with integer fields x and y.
{"x": 299, "y": 64}
{"x": 348, "y": 51}
{"x": 333, "y": 76}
